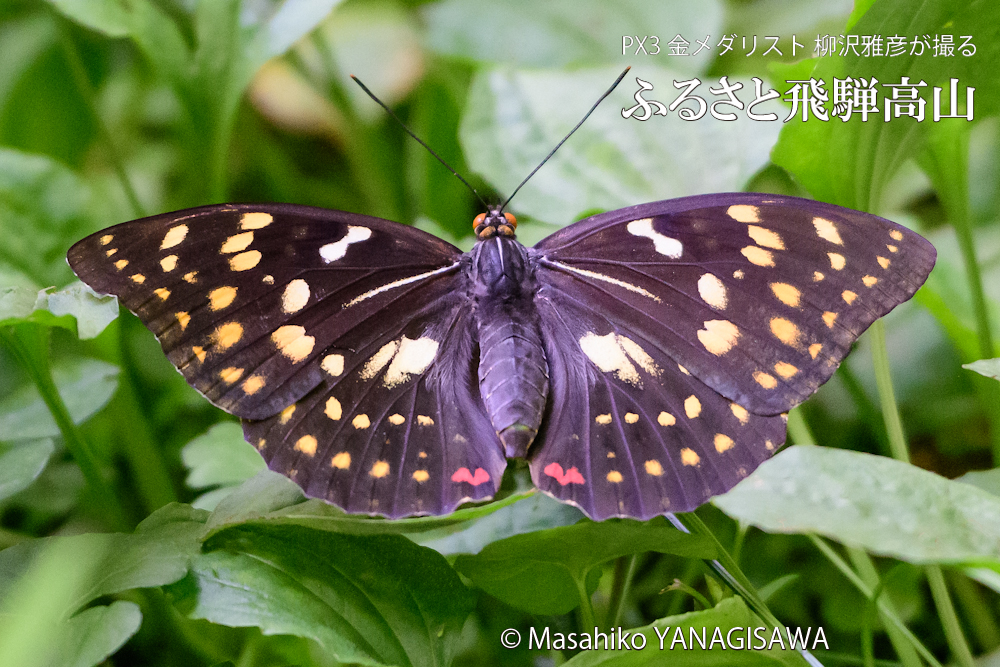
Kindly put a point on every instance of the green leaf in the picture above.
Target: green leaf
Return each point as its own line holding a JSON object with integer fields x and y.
{"x": 988, "y": 367}
{"x": 373, "y": 600}
{"x": 987, "y": 480}
{"x": 157, "y": 553}
{"x": 220, "y": 457}
{"x": 514, "y": 117}
{"x": 878, "y": 504}
{"x": 105, "y": 16}
{"x": 75, "y": 307}
{"x": 86, "y": 385}
{"x": 43, "y": 208}
{"x": 570, "y": 32}
{"x": 681, "y": 634}
{"x": 546, "y": 571}
{"x": 88, "y": 638}
{"x": 21, "y": 464}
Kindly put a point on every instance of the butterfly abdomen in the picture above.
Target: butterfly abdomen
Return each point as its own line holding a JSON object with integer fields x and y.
{"x": 513, "y": 372}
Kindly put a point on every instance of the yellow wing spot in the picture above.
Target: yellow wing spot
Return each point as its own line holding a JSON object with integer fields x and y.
{"x": 849, "y": 296}
{"x": 236, "y": 243}
{"x": 333, "y": 409}
{"x": 182, "y": 319}
{"x": 341, "y": 461}
{"x": 121, "y": 264}
{"x": 712, "y": 291}
{"x": 421, "y": 476}
{"x": 896, "y": 235}
{"x": 396, "y": 419}
{"x": 333, "y": 364}
{"x": 424, "y": 420}
{"x": 293, "y": 342}
{"x": 815, "y": 349}
{"x": 245, "y": 260}
{"x": 785, "y": 331}
{"x": 611, "y": 455}
{"x": 891, "y": 247}
{"x": 267, "y": 280}
{"x": 765, "y": 380}
{"x": 740, "y": 412}
{"x": 683, "y": 370}
{"x": 262, "y": 443}
{"x": 766, "y": 237}
{"x": 758, "y": 256}
{"x": 199, "y": 352}
{"x": 106, "y": 239}
{"x": 174, "y": 236}
{"x": 744, "y": 213}
{"x": 837, "y": 260}
{"x": 785, "y": 369}
{"x": 361, "y": 422}
{"x": 615, "y": 477}
{"x": 689, "y": 457}
{"x": 227, "y": 335}
{"x": 162, "y": 292}
{"x": 666, "y": 419}
{"x": 295, "y": 297}
{"x": 829, "y": 318}
{"x": 231, "y": 374}
{"x": 738, "y": 274}
{"x": 883, "y": 262}
{"x": 827, "y": 231}
{"x": 422, "y": 455}
{"x": 379, "y": 469}
{"x": 307, "y": 445}
{"x": 603, "y": 420}
{"x": 817, "y": 276}
{"x": 786, "y": 294}
{"x": 191, "y": 277}
{"x": 255, "y": 220}
{"x": 869, "y": 281}
{"x": 653, "y": 468}
{"x": 221, "y": 297}
{"x": 718, "y": 336}
{"x": 631, "y": 418}
{"x": 110, "y": 252}
{"x": 286, "y": 414}
{"x": 169, "y": 263}
{"x": 253, "y": 384}
{"x": 692, "y": 406}
{"x": 138, "y": 278}
{"x": 723, "y": 442}
{"x": 769, "y": 445}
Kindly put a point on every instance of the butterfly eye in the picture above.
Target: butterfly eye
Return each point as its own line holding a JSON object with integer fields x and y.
{"x": 511, "y": 220}
{"x": 479, "y": 220}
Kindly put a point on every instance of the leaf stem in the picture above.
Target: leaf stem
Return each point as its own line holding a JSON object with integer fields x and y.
{"x": 587, "y": 622}
{"x": 624, "y": 573}
{"x": 949, "y": 620}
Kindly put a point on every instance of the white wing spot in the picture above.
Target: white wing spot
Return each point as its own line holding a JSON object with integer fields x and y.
{"x": 827, "y": 231}
{"x": 379, "y": 360}
{"x": 664, "y": 245}
{"x": 837, "y": 260}
{"x": 608, "y": 354}
{"x": 169, "y": 263}
{"x": 331, "y": 252}
{"x": 712, "y": 291}
{"x": 600, "y": 276}
{"x": 333, "y": 364}
{"x": 295, "y": 297}
{"x": 412, "y": 358}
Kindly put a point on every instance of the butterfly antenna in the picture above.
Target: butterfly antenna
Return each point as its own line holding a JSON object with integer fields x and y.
{"x": 553, "y": 152}
{"x": 419, "y": 140}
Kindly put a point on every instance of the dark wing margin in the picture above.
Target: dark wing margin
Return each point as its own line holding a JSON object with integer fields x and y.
{"x": 758, "y": 296}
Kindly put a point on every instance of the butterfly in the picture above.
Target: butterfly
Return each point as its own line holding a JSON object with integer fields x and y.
{"x": 642, "y": 360}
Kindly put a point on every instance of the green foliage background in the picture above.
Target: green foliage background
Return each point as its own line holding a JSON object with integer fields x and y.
{"x": 136, "y": 527}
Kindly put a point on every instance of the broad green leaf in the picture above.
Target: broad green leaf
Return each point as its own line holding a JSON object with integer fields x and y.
{"x": 988, "y": 367}
{"x": 274, "y": 499}
{"x": 723, "y": 630}
{"x": 573, "y": 32}
{"x": 876, "y": 503}
{"x": 373, "y": 600}
{"x": 75, "y": 307}
{"x": 43, "y": 209}
{"x": 88, "y": 638}
{"x": 987, "y": 480}
{"x": 108, "y": 17}
{"x": 156, "y": 554}
{"x": 546, "y": 572}
{"x": 20, "y": 464}
{"x": 514, "y": 118}
{"x": 220, "y": 457}
{"x": 85, "y": 385}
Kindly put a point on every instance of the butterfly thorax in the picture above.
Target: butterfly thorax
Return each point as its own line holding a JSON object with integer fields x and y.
{"x": 513, "y": 373}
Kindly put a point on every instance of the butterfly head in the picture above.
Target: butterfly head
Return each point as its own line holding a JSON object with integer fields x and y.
{"x": 494, "y": 223}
